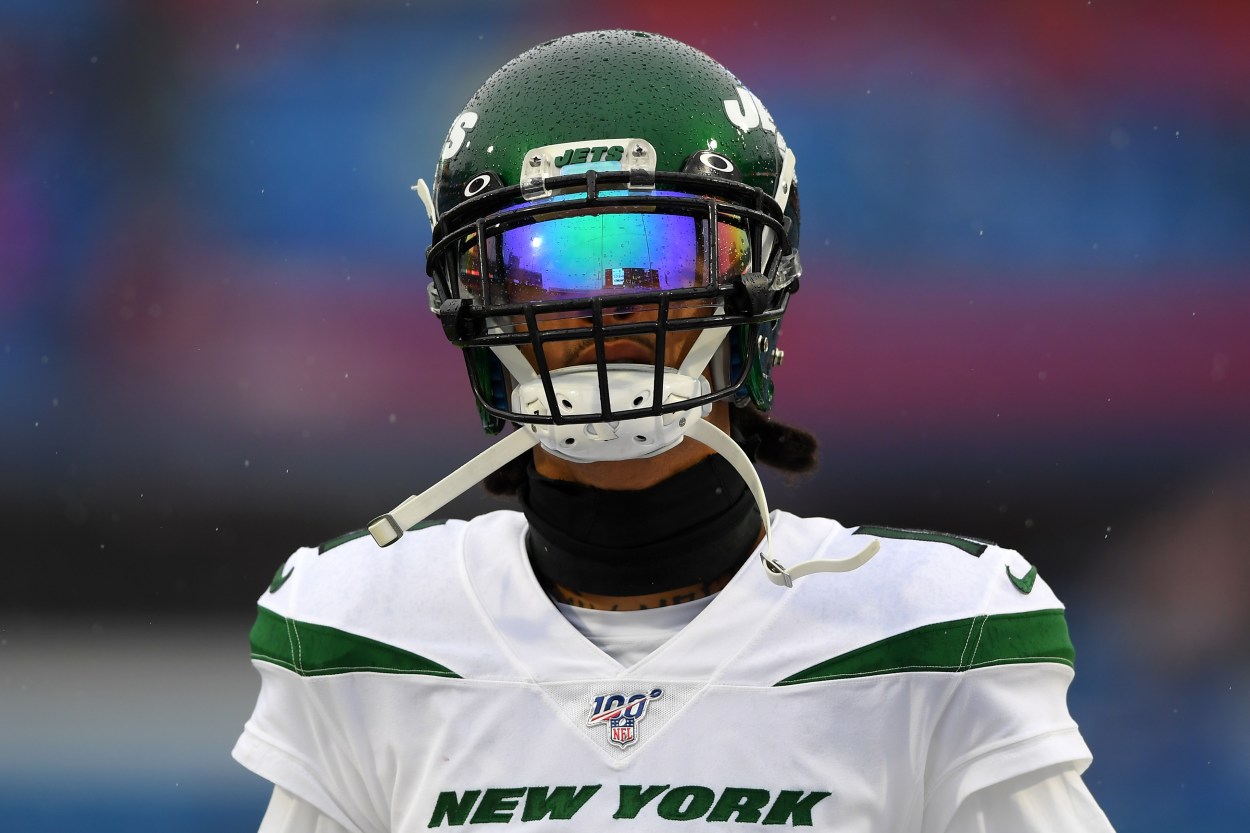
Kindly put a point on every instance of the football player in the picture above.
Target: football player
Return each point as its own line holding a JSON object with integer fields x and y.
{"x": 644, "y": 647}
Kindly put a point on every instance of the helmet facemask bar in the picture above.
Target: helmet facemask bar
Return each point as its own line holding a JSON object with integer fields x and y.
{"x": 742, "y": 293}
{"x": 600, "y": 333}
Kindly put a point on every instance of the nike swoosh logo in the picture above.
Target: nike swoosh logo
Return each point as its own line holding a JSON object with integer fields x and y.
{"x": 1024, "y": 584}
{"x": 279, "y": 579}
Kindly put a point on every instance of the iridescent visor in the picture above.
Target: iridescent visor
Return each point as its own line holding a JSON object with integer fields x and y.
{"x": 584, "y": 255}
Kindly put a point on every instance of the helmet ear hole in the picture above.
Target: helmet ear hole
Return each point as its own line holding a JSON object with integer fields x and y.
{"x": 711, "y": 163}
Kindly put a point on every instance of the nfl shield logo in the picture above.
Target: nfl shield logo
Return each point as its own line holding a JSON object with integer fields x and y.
{"x": 621, "y": 731}
{"x": 621, "y": 713}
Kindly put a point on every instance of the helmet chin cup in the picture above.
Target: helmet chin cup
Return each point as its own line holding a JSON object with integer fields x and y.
{"x": 630, "y": 388}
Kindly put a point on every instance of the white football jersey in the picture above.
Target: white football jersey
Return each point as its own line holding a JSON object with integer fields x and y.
{"x": 433, "y": 685}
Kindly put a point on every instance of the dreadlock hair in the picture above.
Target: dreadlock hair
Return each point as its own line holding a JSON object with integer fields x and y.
{"x": 783, "y": 447}
{"x": 506, "y": 480}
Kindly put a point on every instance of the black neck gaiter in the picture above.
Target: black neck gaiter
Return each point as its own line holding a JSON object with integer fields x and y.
{"x": 689, "y": 529}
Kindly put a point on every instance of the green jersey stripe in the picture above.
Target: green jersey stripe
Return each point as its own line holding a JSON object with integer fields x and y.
{"x": 341, "y": 540}
{"x": 316, "y": 650}
{"x": 1036, "y": 636}
{"x": 360, "y": 533}
{"x": 968, "y": 545}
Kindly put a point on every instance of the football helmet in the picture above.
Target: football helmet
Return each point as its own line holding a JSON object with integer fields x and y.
{"x": 607, "y": 185}
{"x": 615, "y": 228}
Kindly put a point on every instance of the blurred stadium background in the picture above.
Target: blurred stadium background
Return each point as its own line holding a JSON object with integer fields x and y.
{"x": 1025, "y": 317}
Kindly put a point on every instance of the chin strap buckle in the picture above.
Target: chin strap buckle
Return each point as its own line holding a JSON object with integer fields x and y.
{"x": 776, "y": 573}
{"x": 780, "y": 575}
{"x": 387, "y": 529}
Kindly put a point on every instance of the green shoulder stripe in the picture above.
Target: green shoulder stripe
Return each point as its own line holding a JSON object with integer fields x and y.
{"x": 1003, "y": 639}
{"x": 968, "y": 545}
{"x": 341, "y": 540}
{"x": 316, "y": 650}
{"x": 360, "y": 533}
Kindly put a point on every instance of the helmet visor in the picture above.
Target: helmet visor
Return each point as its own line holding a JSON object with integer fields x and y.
{"x": 581, "y": 253}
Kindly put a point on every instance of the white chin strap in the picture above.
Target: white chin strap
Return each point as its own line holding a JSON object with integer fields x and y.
{"x": 577, "y": 392}
{"x": 720, "y": 442}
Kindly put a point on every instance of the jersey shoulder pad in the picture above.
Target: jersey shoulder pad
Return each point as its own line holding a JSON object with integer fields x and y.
{"x": 349, "y": 570}
{"x": 350, "y": 605}
{"x": 927, "y": 602}
{"x": 938, "y": 565}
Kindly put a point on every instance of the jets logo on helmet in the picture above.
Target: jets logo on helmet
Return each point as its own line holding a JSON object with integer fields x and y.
{"x": 748, "y": 112}
{"x": 456, "y": 136}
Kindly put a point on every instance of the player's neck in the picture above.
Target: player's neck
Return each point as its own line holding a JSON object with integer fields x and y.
{"x": 641, "y": 548}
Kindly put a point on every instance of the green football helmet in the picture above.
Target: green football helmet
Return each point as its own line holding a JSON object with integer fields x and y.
{"x": 600, "y": 174}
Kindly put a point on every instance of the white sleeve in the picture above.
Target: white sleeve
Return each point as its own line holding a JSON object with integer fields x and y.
{"x": 311, "y": 737}
{"x": 1050, "y": 800}
{"x": 288, "y": 814}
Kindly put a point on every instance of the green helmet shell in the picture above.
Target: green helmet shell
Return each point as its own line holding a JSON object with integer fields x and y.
{"x": 593, "y": 85}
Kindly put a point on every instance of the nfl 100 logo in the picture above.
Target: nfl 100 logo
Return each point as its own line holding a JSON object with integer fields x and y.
{"x": 621, "y": 713}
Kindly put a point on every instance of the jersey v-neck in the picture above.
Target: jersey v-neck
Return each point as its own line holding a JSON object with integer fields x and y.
{"x": 547, "y": 648}
{"x": 628, "y": 636}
